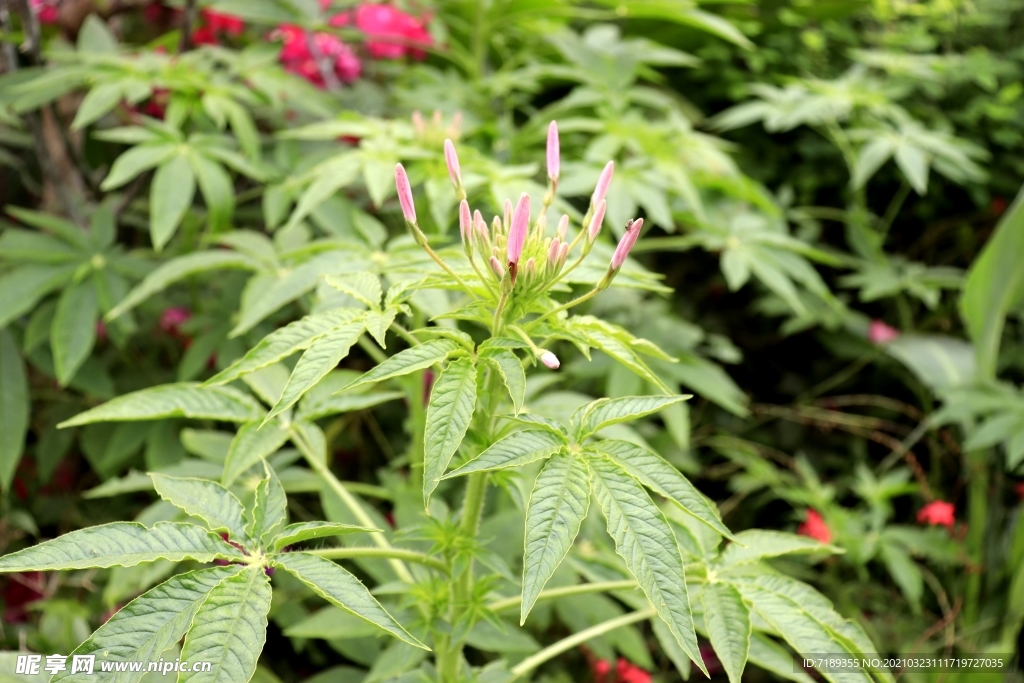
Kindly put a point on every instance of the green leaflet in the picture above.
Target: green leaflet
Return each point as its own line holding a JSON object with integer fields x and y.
{"x": 904, "y": 571}
{"x": 770, "y": 656}
{"x": 763, "y": 543}
{"x": 340, "y": 588}
{"x": 363, "y": 287}
{"x": 518, "y": 448}
{"x": 22, "y": 287}
{"x": 281, "y": 343}
{"x": 270, "y": 511}
{"x": 185, "y": 399}
{"x": 252, "y": 443}
{"x": 230, "y": 629}
{"x": 73, "y": 332}
{"x": 135, "y": 161}
{"x": 148, "y": 625}
{"x": 123, "y": 544}
{"x": 314, "y": 407}
{"x": 304, "y": 531}
{"x": 170, "y": 196}
{"x": 178, "y": 269}
{"x": 606, "y": 412}
{"x": 377, "y": 324}
{"x": 410, "y": 360}
{"x": 728, "y": 623}
{"x": 644, "y": 540}
{"x": 449, "y": 412}
{"x": 510, "y": 368}
{"x": 320, "y": 358}
{"x": 14, "y": 408}
{"x": 207, "y": 500}
{"x": 558, "y": 505}
{"x": 658, "y": 474}
{"x": 332, "y": 623}
{"x": 23, "y": 246}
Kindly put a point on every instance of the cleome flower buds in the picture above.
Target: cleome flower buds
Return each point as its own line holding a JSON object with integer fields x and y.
{"x": 451, "y": 159}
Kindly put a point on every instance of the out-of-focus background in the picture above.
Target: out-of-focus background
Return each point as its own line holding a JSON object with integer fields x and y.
{"x": 820, "y": 179}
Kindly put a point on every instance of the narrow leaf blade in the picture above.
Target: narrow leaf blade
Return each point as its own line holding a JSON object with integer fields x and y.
{"x": 449, "y": 412}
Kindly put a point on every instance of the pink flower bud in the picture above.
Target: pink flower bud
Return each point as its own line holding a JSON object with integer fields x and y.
{"x": 496, "y": 267}
{"x": 480, "y": 224}
{"x": 530, "y": 268}
{"x": 626, "y": 243}
{"x": 602, "y": 183}
{"x": 553, "y": 251}
{"x": 405, "y": 193}
{"x": 465, "y": 222}
{"x": 508, "y": 214}
{"x": 418, "y": 124}
{"x": 452, "y": 160}
{"x": 880, "y": 333}
{"x": 563, "y": 227}
{"x": 520, "y": 226}
{"x": 550, "y": 360}
{"x": 554, "y": 159}
{"x": 563, "y": 254}
{"x": 596, "y": 221}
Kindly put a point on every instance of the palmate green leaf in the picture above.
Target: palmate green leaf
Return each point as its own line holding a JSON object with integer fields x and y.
{"x": 61, "y": 227}
{"x": 179, "y": 269}
{"x": 204, "y": 499}
{"x": 121, "y": 544}
{"x": 342, "y": 589}
{"x": 230, "y": 629}
{"x": 449, "y": 412}
{"x": 410, "y": 360}
{"x": 24, "y": 246}
{"x": 728, "y": 622}
{"x": 270, "y": 509}
{"x": 253, "y": 442}
{"x": 508, "y": 365}
{"x": 606, "y": 412}
{"x": 659, "y": 475}
{"x": 73, "y": 332}
{"x": 170, "y": 196}
{"x": 184, "y": 399}
{"x": 757, "y": 544}
{"x": 305, "y": 531}
{"x": 136, "y": 160}
{"x": 994, "y": 286}
{"x": 97, "y": 103}
{"x": 518, "y": 448}
{"x": 144, "y": 628}
{"x": 283, "y": 342}
{"x": 23, "y": 287}
{"x": 558, "y": 505}
{"x": 14, "y": 408}
{"x": 645, "y": 542}
{"x": 320, "y": 358}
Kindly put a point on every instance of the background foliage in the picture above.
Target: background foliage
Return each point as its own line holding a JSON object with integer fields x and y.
{"x": 834, "y": 264}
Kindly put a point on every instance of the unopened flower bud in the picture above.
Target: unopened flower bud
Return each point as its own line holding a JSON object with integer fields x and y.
{"x": 497, "y": 227}
{"x": 563, "y": 227}
{"x": 554, "y": 160}
{"x": 405, "y": 194}
{"x": 530, "y": 269}
{"x": 418, "y": 124}
{"x": 496, "y": 267}
{"x": 550, "y": 360}
{"x": 626, "y": 243}
{"x": 508, "y": 215}
{"x": 563, "y": 254}
{"x": 436, "y": 118}
{"x": 603, "y": 182}
{"x": 595, "y": 223}
{"x": 451, "y": 159}
{"x": 465, "y": 224}
{"x": 520, "y": 226}
{"x": 553, "y": 251}
{"x": 456, "y": 126}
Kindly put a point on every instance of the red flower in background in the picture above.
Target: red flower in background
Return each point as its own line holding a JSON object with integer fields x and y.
{"x": 172, "y": 318}
{"x": 1019, "y": 488}
{"x": 814, "y": 526}
{"x": 998, "y": 206}
{"x": 297, "y": 55}
{"x": 20, "y": 590}
{"x": 880, "y": 333}
{"x": 393, "y": 28}
{"x": 937, "y": 513}
{"x": 625, "y": 672}
{"x": 216, "y": 24}
{"x": 45, "y": 10}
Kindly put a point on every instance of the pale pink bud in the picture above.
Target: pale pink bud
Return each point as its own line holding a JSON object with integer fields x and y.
{"x": 596, "y": 221}
{"x": 563, "y": 227}
{"x": 452, "y": 160}
{"x": 418, "y": 124}
{"x": 531, "y": 267}
{"x": 553, "y": 251}
{"x": 520, "y": 226}
{"x": 550, "y": 360}
{"x": 496, "y": 267}
{"x": 880, "y": 333}
{"x": 563, "y": 254}
{"x": 508, "y": 214}
{"x": 626, "y": 243}
{"x": 436, "y": 118}
{"x": 602, "y": 183}
{"x": 479, "y": 224}
{"x": 465, "y": 222}
{"x": 554, "y": 159}
{"x": 405, "y": 193}
{"x": 456, "y": 126}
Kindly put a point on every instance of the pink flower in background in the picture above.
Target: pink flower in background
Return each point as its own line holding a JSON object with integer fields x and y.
{"x": 219, "y": 22}
{"x": 937, "y": 513}
{"x": 45, "y": 10}
{"x": 814, "y": 527}
{"x": 631, "y": 673}
{"x": 172, "y": 318}
{"x": 880, "y": 333}
{"x": 393, "y": 28}
{"x": 297, "y": 55}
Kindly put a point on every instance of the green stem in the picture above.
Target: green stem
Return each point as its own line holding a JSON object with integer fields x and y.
{"x": 569, "y": 304}
{"x": 977, "y": 518}
{"x": 552, "y": 593}
{"x": 390, "y": 553}
{"x": 552, "y": 651}
{"x": 372, "y": 350}
{"x": 894, "y": 208}
{"x": 405, "y": 334}
{"x": 447, "y": 269}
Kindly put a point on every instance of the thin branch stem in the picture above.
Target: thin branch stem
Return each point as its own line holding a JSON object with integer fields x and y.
{"x": 894, "y": 208}
{"x": 565, "y": 591}
{"x": 552, "y": 651}
{"x": 567, "y": 305}
{"x": 389, "y": 553}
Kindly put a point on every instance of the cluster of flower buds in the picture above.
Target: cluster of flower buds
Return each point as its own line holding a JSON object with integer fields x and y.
{"x": 515, "y": 249}
{"x": 435, "y": 130}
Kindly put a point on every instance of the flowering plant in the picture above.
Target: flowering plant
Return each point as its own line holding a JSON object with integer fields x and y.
{"x": 478, "y": 426}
